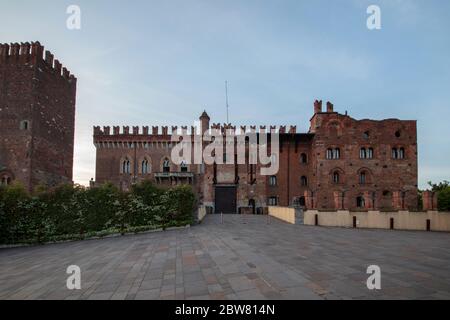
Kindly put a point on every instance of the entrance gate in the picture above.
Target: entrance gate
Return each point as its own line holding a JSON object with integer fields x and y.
{"x": 226, "y": 200}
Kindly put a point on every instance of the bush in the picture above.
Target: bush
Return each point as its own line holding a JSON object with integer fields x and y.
{"x": 443, "y": 194}
{"x": 444, "y": 199}
{"x": 73, "y": 212}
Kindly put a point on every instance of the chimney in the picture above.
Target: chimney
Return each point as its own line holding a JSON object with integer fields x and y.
{"x": 317, "y": 106}
{"x": 330, "y": 107}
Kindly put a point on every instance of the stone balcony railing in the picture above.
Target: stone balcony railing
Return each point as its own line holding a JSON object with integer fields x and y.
{"x": 174, "y": 175}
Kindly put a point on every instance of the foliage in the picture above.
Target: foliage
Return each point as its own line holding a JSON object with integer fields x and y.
{"x": 443, "y": 194}
{"x": 73, "y": 212}
{"x": 439, "y": 187}
{"x": 444, "y": 199}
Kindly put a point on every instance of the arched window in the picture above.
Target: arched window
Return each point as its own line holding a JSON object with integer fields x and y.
{"x": 273, "y": 181}
{"x": 145, "y": 167}
{"x": 360, "y": 203}
{"x": 304, "y": 181}
{"x": 184, "y": 167}
{"x": 337, "y": 153}
{"x": 362, "y": 153}
{"x": 126, "y": 166}
{"x": 401, "y": 153}
{"x": 5, "y": 181}
{"x": 166, "y": 165}
{"x": 336, "y": 177}
{"x": 394, "y": 153}
{"x": 370, "y": 153}
{"x": 303, "y": 158}
{"x": 330, "y": 154}
{"x": 362, "y": 177}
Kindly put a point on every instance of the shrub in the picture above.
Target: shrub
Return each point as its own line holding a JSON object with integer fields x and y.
{"x": 443, "y": 194}
{"x": 444, "y": 199}
{"x": 73, "y": 212}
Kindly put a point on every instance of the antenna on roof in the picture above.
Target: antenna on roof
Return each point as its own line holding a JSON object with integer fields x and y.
{"x": 228, "y": 107}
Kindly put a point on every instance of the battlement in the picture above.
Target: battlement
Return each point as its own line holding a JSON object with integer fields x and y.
{"x": 32, "y": 54}
{"x": 166, "y": 132}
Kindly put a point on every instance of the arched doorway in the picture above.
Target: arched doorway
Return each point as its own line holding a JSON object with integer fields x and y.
{"x": 6, "y": 178}
{"x": 302, "y": 201}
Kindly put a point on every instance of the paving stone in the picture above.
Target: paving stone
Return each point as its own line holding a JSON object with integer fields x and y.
{"x": 148, "y": 294}
{"x": 235, "y": 261}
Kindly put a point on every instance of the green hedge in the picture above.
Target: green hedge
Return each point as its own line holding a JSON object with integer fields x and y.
{"x": 73, "y": 212}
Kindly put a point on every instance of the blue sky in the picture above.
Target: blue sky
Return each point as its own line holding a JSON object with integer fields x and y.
{"x": 163, "y": 62}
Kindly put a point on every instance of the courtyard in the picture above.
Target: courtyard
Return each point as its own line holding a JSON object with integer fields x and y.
{"x": 246, "y": 257}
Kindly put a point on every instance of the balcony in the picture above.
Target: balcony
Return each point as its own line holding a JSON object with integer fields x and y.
{"x": 167, "y": 175}
{"x": 175, "y": 177}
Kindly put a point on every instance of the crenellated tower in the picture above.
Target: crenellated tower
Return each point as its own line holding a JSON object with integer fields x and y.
{"x": 37, "y": 116}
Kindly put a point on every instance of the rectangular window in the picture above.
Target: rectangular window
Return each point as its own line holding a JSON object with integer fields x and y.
{"x": 273, "y": 181}
{"x": 273, "y": 201}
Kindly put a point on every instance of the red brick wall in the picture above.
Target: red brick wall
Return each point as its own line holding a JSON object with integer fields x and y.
{"x": 390, "y": 183}
{"x": 44, "y": 94}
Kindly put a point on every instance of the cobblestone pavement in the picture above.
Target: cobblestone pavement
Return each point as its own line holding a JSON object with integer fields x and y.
{"x": 245, "y": 258}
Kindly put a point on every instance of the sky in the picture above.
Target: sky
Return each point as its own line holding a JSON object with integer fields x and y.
{"x": 164, "y": 62}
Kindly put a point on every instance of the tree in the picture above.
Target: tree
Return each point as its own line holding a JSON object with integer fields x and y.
{"x": 439, "y": 187}
{"x": 443, "y": 194}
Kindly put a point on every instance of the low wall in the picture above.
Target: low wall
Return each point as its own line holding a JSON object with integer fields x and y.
{"x": 283, "y": 213}
{"x": 201, "y": 214}
{"x": 402, "y": 220}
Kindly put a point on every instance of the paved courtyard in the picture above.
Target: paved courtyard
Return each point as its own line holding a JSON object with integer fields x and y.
{"x": 245, "y": 258}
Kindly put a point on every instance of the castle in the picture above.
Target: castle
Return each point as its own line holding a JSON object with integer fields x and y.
{"x": 37, "y": 117}
{"x": 341, "y": 163}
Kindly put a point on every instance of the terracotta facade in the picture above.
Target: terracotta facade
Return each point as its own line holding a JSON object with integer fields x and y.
{"x": 341, "y": 163}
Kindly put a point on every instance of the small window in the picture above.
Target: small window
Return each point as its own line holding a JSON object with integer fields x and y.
{"x": 273, "y": 201}
{"x": 336, "y": 177}
{"x": 394, "y": 153}
{"x": 273, "y": 181}
{"x": 304, "y": 181}
{"x": 126, "y": 166}
{"x": 362, "y": 178}
{"x": 360, "y": 203}
{"x": 303, "y": 158}
{"x": 6, "y": 181}
{"x": 184, "y": 167}
{"x": 370, "y": 153}
{"x": 401, "y": 153}
{"x": 333, "y": 154}
{"x": 330, "y": 154}
{"x": 398, "y": 134}
{"x": 337, "y": 153}
{"x": 362, "y": 153}
{"x": 145, "y": 167}
{"x": 166, "y": 166}
{"x": 24, "y": 125}
{"x": 366, "y": 135}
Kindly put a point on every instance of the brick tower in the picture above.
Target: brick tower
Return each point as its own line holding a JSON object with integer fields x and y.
{"x": 37, "y": 117}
